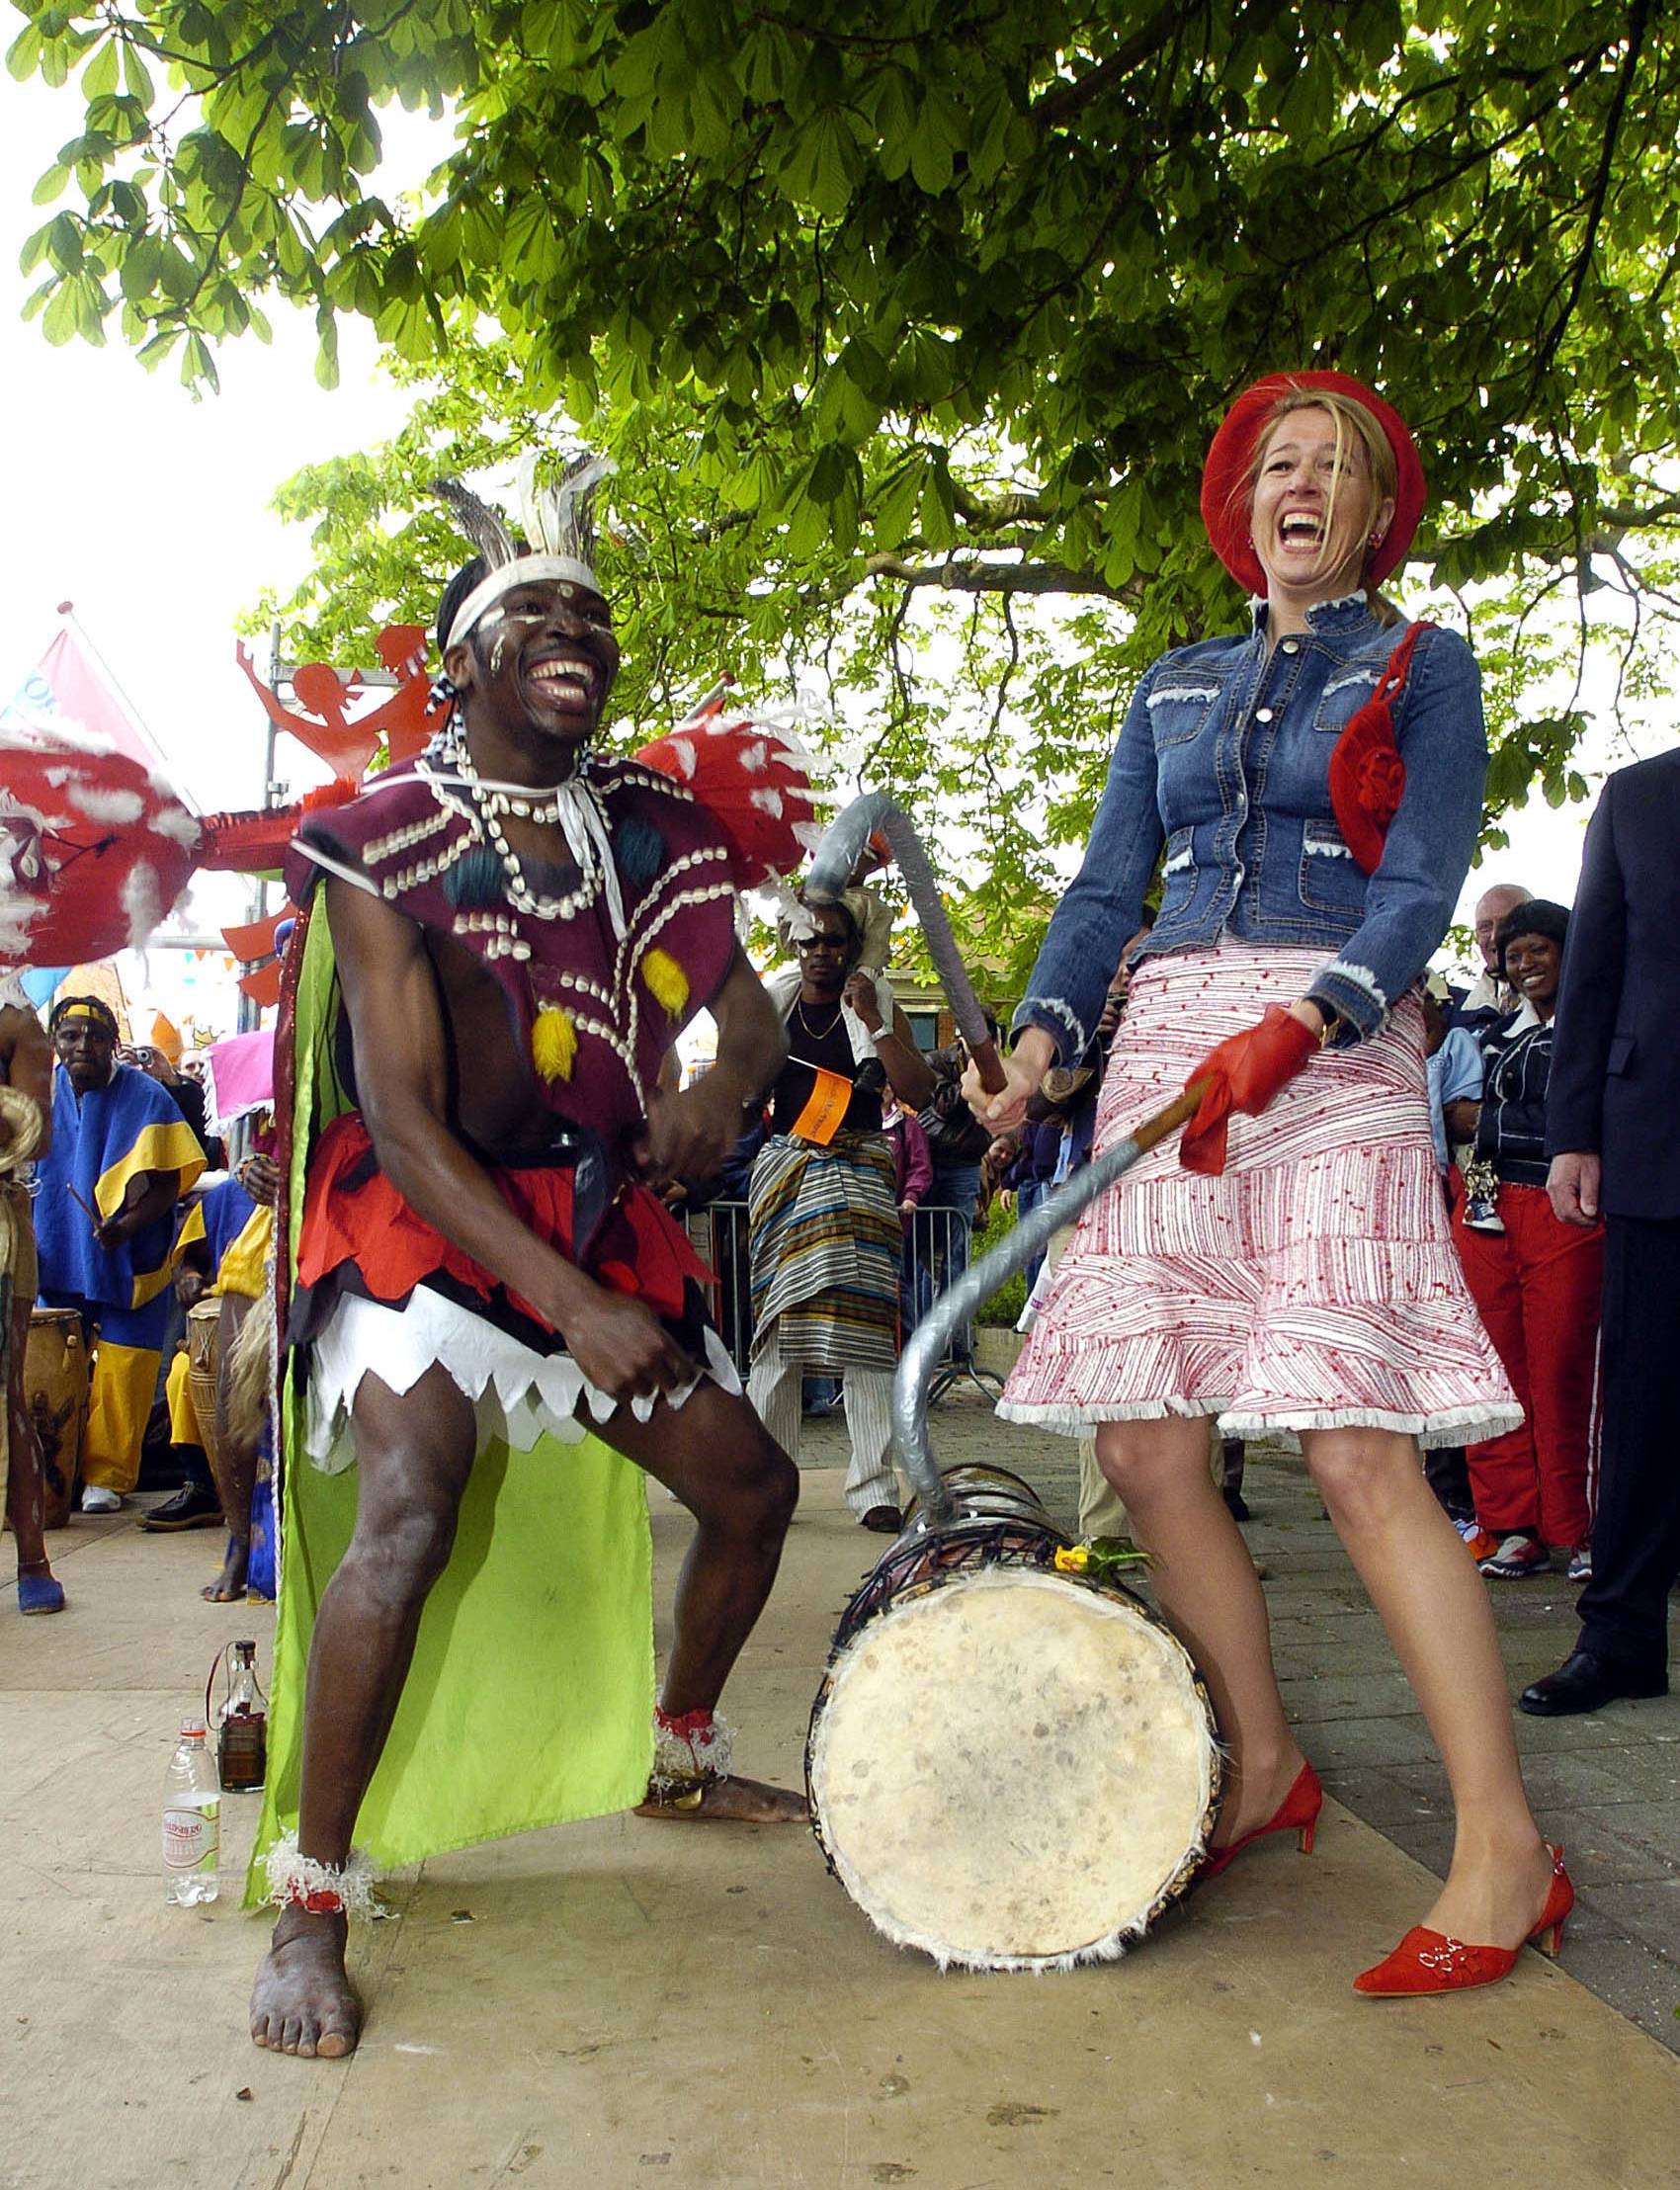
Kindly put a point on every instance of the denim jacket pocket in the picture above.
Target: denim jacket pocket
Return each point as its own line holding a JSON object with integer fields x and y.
{"x": 1180, "y": 705}
{"x": 1331, "y": 880}
{"x": 1345, "y": 693}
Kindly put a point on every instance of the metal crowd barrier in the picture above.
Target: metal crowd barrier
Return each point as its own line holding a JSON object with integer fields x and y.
{"x": 936, "y": 1254}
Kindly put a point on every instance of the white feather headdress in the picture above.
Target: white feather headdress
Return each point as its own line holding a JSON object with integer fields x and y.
{"x": 560, "y": 526}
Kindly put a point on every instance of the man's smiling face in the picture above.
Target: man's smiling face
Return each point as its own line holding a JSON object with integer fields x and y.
{"x": 542, "y": 659}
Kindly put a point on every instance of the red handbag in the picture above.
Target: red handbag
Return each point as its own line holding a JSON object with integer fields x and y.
{"x": 1367, "y": 778}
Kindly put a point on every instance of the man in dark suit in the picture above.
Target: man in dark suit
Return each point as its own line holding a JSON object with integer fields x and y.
{"x": 1610, "y": 1132}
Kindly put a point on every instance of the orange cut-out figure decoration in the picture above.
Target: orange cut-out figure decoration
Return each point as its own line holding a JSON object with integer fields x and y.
{"x": 346, "y": 743}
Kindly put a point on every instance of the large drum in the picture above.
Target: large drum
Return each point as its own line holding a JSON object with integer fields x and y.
{"x": 204, "y": 1354}
{"x": 55, "y": 1392}
{"x": 1009, "y": 1767}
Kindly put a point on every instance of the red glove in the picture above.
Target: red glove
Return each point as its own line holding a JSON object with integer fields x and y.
{"x": 1246, "y": 1072}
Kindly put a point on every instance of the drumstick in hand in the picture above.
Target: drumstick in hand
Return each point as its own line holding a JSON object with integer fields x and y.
{"x": 92, "y": 1215}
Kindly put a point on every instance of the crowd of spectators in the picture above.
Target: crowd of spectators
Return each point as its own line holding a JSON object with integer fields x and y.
{"x": 120, "y": 1189}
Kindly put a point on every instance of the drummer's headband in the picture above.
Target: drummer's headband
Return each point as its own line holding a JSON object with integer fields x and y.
{"x": 84, "y": 1007}
{"x": 559, "y": 521}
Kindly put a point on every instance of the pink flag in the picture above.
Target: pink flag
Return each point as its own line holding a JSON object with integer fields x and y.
{"x": 66, "y": 700}
{"x": 239, "y": 1076}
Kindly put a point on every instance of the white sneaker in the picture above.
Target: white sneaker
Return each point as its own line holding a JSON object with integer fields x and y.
{"x": 97, "y": 1499}
{"x": 1518, "y": 1556}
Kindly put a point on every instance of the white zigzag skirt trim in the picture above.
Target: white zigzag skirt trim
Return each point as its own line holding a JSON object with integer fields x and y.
{"x": 518, "y": 1394}
{"x": 1313, "y": 1285}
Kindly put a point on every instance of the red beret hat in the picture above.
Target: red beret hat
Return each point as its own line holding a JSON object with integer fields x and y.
{"x": 1225, "y": 475}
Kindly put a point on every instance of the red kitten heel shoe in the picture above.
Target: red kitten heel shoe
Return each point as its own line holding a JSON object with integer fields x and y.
{"x": 1428, "y": 1961}
{"x": 1297, "y": 1813}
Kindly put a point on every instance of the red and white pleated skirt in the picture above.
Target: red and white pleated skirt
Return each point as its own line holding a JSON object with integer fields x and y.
{"x": 1313, "y": 1285}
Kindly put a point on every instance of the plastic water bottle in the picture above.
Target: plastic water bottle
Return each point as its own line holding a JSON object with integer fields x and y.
{"x": 192, "y": 1819}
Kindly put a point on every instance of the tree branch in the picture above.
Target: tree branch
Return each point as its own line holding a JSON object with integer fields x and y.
{"x": 1638, "y": 25}
{"x": 1070, "y": 99}
{"x": 1000, "y": 577}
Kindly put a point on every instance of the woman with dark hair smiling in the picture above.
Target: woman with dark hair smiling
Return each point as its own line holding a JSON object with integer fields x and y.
{"x": 1537, "y": 1281}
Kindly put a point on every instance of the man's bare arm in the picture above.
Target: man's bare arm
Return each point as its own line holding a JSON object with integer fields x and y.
{"x": 148, "y": 1196}
{"x": 391, "y": 993}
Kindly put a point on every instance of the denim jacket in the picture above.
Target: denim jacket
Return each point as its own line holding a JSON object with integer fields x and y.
{"x": 1224, "y": 757}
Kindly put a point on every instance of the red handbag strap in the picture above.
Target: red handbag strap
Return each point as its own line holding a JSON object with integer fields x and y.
{"x": 1400, "y": 662}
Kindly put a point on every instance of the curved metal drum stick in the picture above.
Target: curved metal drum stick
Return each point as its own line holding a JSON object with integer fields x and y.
{"x": 830, "y": 872}
{"x": 926, "y": 1347}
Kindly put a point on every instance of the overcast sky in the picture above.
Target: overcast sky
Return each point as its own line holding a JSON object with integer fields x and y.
{"x": 148, "y": 509}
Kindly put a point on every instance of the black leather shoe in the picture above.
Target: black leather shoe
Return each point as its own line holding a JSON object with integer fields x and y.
{"x": 192, "y": 1507}
{"x": 1584, "y": 1681}
{"x": 883, "y": 1519}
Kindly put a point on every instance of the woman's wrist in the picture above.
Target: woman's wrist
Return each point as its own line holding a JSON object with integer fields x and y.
{"x": 1316, "y": 1017}
{"x": 1034, "y": 1052}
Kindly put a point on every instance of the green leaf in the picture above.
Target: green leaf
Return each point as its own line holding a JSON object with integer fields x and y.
{"x": 198, "y": 367}
{"x": 136, "y": 78}
{"x": 820, "y": 165}
{"x": 895, "y": 503}
{"x": 939, "y": 506}
{"x": 23, "y": 56}
{"x": 768, "y": 62}
{"x": 58, "y": 322}
{"x": 991, "y": 131}
{"x": 939, "y": 134}
{"x": 99, "y": 78}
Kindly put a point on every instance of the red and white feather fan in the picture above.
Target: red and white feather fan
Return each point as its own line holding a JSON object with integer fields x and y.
{"x": 755, "y": 777}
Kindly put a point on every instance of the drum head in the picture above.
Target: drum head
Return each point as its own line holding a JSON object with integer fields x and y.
{"x": 1013, "y": 1769}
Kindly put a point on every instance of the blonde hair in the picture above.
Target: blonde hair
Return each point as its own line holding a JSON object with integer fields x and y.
{"x": 1355, "y": 427}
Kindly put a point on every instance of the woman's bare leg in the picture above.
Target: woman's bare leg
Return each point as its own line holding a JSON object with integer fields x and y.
{"x": 1211, "y": 1595}
{"x": 1434, "y": 1605}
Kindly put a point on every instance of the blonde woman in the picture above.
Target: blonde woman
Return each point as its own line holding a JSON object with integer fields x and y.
{"x": 1317, "y": 787}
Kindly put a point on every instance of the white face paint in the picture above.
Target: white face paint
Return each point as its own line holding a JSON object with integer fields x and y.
{"x": 498, "y": 653}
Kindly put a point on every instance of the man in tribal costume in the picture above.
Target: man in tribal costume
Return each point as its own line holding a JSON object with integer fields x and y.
{"x": 121, "y": 1157}
{"x": 26, "y": 1130}
{"x": 518, "y": 930}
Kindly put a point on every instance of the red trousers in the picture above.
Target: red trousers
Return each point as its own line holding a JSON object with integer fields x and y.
{"x": 1537, "y": 1285}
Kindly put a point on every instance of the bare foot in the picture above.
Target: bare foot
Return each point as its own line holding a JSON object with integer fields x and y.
{"x": 1254, "y": 1796}
{"x": 231, "y": 1582}
{"x": 740, "y": 1801}
{"x": 302, "y": 2002}
{"x": 1494, "y": 1902}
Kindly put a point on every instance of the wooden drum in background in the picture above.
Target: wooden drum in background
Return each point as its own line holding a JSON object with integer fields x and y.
{"x": 1008, "y": 1766}
{"x": 204, "y": 1354}
{"x": 55, "y": 1392}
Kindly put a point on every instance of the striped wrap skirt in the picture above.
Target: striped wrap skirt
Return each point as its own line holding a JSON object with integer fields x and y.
{"x": 826, "y": 1244}
{"x": 1313, "y": 1285}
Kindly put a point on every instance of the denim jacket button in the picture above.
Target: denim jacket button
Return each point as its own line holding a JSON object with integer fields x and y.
{"x": 1262, "y": 714}
{"x": 1291, "y": 646}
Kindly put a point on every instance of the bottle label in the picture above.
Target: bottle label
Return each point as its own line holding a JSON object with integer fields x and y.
{"x": 190, "y": 1838}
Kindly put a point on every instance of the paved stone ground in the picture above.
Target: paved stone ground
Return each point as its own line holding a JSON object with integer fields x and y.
{"x": 1607, "y": 1785}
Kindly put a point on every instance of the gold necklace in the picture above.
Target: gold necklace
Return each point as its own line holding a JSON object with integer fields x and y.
{"x": 818, "y": 1034}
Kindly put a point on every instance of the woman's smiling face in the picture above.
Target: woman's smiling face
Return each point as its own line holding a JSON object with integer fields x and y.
{"x": 1312, "y": 517}
{"x": 1533, "y": 964}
